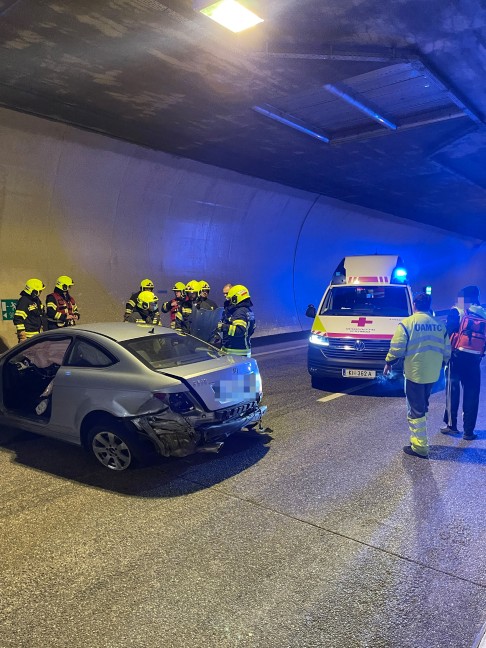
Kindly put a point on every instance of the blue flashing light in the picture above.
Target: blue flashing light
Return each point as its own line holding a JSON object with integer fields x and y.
{"x": 399, "y": 274}
{"x": 428, "y": 290}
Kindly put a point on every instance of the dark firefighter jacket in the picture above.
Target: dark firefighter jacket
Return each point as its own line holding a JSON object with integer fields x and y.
{"x": 237, "y": 326}
{"x": 28, "y": 315}
{"x": 172, "y": 306}
{"x": 59, "y": 305}
{"x": 139, "y": 316}
{"x": 183, "y": 318}
{"x": 131, "y": 303}
{"x": 206, "y": 304}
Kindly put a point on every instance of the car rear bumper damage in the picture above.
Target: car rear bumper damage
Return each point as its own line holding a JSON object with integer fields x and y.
{"x": 178, "y": 435}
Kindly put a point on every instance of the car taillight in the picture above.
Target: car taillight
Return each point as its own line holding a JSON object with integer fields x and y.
{"x": 178, "y": 402}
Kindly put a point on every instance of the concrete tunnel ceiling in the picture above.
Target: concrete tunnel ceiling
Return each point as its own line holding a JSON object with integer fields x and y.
{"x": 163, "y": 76}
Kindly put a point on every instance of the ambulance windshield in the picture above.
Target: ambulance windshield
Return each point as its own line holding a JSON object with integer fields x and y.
{"x": 387, "y": 301}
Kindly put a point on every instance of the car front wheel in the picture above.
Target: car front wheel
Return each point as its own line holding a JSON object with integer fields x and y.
{"x": 114, "y": 447}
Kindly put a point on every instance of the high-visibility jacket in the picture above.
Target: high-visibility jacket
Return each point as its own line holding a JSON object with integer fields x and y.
{"x": 424, "y": 344}
{"x": 28, "y": 315}
{"x": 237, "y": 326}
{"x": 59, "y": 305}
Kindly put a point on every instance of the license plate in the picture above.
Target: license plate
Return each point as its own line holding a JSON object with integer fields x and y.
{"x": 359, "y": 373}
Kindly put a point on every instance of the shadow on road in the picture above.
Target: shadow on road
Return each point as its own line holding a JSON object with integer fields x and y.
{"x": 163, "y": 478}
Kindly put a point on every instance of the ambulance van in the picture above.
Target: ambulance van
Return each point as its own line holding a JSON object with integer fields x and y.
{"x": 367, "y": 298}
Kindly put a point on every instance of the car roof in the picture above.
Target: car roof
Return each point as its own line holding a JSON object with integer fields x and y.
{"x": 121, "y": 331}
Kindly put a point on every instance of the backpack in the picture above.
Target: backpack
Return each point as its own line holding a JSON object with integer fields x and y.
{"x": 471, "y": 336}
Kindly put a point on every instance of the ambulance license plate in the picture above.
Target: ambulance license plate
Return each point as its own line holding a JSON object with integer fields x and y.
{"x": 359, "y": 373}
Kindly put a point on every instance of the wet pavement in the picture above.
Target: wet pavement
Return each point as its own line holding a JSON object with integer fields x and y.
{"x": 325, "y": 534}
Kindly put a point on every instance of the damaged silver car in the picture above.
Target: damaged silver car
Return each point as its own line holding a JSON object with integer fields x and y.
{"x": 123, "y": 392}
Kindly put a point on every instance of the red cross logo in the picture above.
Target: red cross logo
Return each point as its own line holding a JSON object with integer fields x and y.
{"x": 362, "y": 321}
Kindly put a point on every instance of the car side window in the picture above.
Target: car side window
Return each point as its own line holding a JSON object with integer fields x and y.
{"x": 85, "y": 354}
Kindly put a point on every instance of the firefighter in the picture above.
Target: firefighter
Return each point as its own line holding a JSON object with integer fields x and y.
{"x": 172, "y": 306}
{"x": 424, "y": 344}
{"x": 145, "y": 284}
{"x": 203, "y": 301}
{"x": 61, "y": 309}
{"x": 183, "y": 318}
{"x": 28, "y": 314}
{"x": 466, "y": 325}
{"x": 238, "y": 323}
{"x": 145, "y": 311}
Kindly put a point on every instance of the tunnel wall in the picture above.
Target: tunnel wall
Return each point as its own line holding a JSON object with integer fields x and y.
{"x": 109, "y": 213}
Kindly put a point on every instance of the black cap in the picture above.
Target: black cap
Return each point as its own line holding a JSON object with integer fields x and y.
{"x": 470, "y": 294}
{"x": 422, "y": 302}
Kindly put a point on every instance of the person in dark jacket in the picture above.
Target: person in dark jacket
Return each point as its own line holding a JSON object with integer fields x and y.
{"x": 61, "y": 309}
{"x": 145, "y": 284}
{"x": 238, "y": 323}
{"x": 203, "y": 302}
{"x": 28, "y": 314}
{"x": 172, "y": 306}
{"x": 146, "y": 311}
{"x": 463, "y": 369}
{"x": 183, "y": 319}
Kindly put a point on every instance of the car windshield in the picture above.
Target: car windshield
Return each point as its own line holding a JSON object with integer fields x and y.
{"x": 171, "y": 350}
{"x": 389, "y": 301}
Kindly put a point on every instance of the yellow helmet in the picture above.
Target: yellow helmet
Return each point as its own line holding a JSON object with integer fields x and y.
{"x": 147, "y": 284}
{"x": 192, "y": 287}
{"x": 179, "y": 286}
{"x": 146, "y": 300}
{"x": 64, "y": 283}
{"x": 34, "y": 287}
{"x": 237, "y": 294}
{"x": 204, "y": 287}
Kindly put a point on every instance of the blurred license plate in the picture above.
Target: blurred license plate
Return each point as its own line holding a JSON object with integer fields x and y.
{"x": 359, "y": 373}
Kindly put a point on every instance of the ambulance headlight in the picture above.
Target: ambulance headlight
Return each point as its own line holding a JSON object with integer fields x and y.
{"x": 319, "y": 340}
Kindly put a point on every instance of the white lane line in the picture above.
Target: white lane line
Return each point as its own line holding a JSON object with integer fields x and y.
{"x": 339, "y": 394}
{"x": 257, "y": 355}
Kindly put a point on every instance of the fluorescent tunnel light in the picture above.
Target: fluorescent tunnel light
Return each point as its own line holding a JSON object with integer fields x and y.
{"x": 288, "y": 120}
{"x": 229, "y": 14}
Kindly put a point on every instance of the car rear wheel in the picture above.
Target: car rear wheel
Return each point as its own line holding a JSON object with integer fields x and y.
{"x": 113, "y": 446}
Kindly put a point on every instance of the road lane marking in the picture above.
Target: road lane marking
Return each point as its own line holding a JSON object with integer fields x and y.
{"x": 255, "y": 355}
{"x": 343, "y": 393}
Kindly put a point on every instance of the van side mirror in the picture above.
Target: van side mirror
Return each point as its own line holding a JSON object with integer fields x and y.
{"x": 311, "y": 311}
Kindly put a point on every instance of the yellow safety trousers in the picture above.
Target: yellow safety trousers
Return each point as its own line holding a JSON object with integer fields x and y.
{"x": 418, "y": 435}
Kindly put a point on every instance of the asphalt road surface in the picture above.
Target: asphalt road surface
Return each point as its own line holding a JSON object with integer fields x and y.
{"x": 324, "y": 535}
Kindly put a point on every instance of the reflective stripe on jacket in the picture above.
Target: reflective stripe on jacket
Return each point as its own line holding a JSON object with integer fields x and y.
{"x": 58, "y": 306}
{"x": 424, "y": 344}
{"x": 237, "y": 327}
{"x": 28, "y": 314}
{"x": 139, "y": 316}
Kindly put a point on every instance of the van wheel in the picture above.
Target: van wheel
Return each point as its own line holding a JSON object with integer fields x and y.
{"x": 114, "y": 447}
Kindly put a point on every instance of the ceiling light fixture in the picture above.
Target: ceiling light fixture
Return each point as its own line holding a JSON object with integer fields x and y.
{"x": 228, "y": 13}
{"x": 289, "y": 120}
